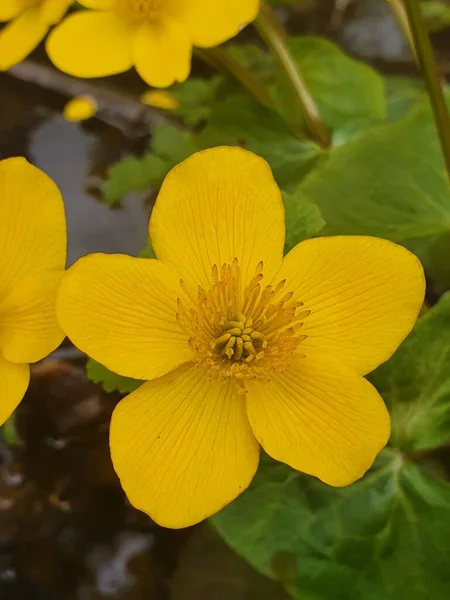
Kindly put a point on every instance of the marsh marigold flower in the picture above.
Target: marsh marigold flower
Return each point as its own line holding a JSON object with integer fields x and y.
{"x": 32, "y": 261}
{"x": 156, "y": 36}
{"x": 29, "y": 22}
{"x": 239, "y": 345}
{"x": 80, "y": 108}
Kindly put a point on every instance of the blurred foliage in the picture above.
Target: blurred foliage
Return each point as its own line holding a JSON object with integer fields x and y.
{"x": 437, "y": 14}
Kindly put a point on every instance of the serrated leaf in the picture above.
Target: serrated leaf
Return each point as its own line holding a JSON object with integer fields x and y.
{"x": 343, "y": 88}
{"x": 196, "y": 97}
{"x": 110, "y": 382}
{"x": 135, "y": 174}
{"x": 389, "y": 182}
{"x": 384, "y": 537}
{"x": 303, "y": 219}
{"x": 415, "y": 383}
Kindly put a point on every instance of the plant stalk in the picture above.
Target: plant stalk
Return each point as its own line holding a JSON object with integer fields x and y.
{"x": 398, "y": 8}
{"x": 275, "y": 37}
{"x": 430, "y": 74}
{"x": 221, "y": 60}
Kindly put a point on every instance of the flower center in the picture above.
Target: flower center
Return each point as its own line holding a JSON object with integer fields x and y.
{"x": 241, "y": 334}
{"x": 139, "y": 10}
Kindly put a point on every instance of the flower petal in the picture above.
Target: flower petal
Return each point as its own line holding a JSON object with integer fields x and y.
{"x": 364, "y": 294}
{"x": 182, "y": 447}
{"x": 320, "y": 418}
{"x": 122, "y": 311}
{"x": 162, "y": 53}
{"x": 212, "y": 22}
{"x": 54, "y": 10}
{"x": 223, "y": 203}
{"x": 14, "y": 380}
{"x": 32, "y": 260}
{"x": 92, "y": 44}
{"x": 20, "y": 37}
{"x": 97, "y": 4}
{"x": 29, "y": 330}
{"x": 80, "y": 108}
{"x": 10, "y": 9}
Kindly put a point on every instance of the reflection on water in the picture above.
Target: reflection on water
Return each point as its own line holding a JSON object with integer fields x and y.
{"x": 63, "y": 150}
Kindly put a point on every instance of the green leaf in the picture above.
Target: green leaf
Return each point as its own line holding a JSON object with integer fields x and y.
{"x": 390, "y": 182}
{"x": 402, "y": 95}
{"x": 303, "y": 219}
{"x": 343, "y": 88}
{"x": 169, "y": 146}
{"x": 263, "y": 131}
{"x": 255, "y": 59}
{"x": 196, "y": 97}
{"x": 110, "y": 382}
{"x": 415, "y": 383}
{"x": 436, "y": 14}
{"x": 384, "y": 537}
{"x": 134, "y": 174}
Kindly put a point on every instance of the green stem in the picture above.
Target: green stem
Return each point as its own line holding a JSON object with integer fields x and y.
{"x": 430, "y": 74}
{"x": 398, "y": 8}
{"x": 221, "y": 60}
{"x": 275, "y": 38}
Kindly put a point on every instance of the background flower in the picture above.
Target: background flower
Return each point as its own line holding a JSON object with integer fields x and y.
{"x": 29, "y": 22}
{"x": 248, "y": 348}
{"x": 32, "y": 261}
{"x": 156, "y": 36}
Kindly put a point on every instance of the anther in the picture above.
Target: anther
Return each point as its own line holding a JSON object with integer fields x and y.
{"x": 239, "y": 349}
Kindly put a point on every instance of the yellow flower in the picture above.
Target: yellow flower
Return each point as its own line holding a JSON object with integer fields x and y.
{"x": 159, "y": 99}
{"x": 32, "y": 261}
{"x": 30, "y": 22}
{"x": 239, "y": 345}
{"x": 156, "y": 36}
{"x": 80, "y": 108}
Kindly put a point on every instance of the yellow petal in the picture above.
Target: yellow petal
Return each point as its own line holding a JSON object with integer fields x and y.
{"x": 29, "y": 330}
{"x": 122, "y": 311}
{"x": 223, "y": 203}
{"x": 32, "y": 259}
{"x": 320, "y": 418}
{"x": 80, "y": 108}
{"x": 92, "y": 44}
{"x": 54, "y": 10}
{"x": 10, "y": 9}
{"x": 182, "y": 447}
{"x": 20, "y": 37}
{"x": 162, "y": 53}
{"x": 159, "y": 99}
{"x": 211, "y": 23}
{"x": 14, "y": 380}
{"x": 364, "y": 294}
{"x": 97, "y": 4}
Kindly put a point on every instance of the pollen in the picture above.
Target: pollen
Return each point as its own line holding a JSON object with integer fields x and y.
{"x": 241, "y": 331}
{"x": 139, "y": 10}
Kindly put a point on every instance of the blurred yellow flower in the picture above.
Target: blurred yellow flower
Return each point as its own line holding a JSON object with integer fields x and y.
{"x": 159, "y": 99}
{"x": 80, "y": 108}
{"x": 32, "y": 261}
{"x": 239, "y": 345}
{"x": 156, "y": 36}
{"x": 30, "y": 21}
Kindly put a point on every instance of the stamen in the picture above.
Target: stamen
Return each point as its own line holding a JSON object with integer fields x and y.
{"x": 241, "y": 331}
